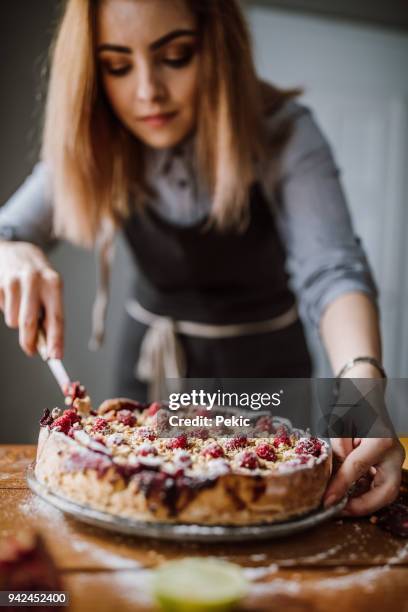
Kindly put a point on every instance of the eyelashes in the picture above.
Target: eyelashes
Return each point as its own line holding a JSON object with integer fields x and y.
{"x": 117, "y": 71}
{"x": 172, "y": 62}
{"x": 179, "y": 62}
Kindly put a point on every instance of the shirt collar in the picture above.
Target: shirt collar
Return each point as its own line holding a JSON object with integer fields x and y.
{"x": 160, "y": 161}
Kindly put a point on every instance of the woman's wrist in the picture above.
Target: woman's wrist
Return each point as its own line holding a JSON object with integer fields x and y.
{"x": 363, "y": 370}
{"x": 363, "y": 366}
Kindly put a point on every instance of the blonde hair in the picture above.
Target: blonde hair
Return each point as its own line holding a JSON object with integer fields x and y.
{"x": 97, "y": 166}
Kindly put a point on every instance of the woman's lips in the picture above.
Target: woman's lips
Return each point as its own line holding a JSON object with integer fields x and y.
{"x": 159, "y": 120}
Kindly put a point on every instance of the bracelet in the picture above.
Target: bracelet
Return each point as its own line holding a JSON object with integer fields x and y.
{"x": 371, "y": 360}
{"x": 352, "y": 362}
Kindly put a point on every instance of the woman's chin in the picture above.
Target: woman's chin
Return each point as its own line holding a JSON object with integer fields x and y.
{"x": 163, "y": 137}
{"x": 162, "y": 141}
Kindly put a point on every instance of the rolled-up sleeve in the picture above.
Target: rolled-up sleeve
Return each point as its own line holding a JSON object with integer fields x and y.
{"x": 28, "y": 214}
{"x": 325, "y": 258}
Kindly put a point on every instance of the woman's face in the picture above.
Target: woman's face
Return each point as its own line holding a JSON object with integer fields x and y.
{"x": 148, "y": 54}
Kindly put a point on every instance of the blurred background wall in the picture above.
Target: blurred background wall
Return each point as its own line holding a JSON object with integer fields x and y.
{"x": 351, "y": 62}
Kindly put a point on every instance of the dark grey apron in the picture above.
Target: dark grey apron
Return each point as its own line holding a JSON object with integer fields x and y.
{"x": 194, "y": 274}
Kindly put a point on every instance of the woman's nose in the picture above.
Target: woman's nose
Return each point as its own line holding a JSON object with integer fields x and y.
{"x": 148, "y": 86}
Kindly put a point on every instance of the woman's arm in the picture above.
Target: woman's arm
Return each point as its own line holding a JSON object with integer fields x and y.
{"x": 29, "y": 286}
{"x": 27, "y": 216}
{"x": 325, "y": 258}
{"x": 349, "y": 328}
{"x": 337, "y": 293}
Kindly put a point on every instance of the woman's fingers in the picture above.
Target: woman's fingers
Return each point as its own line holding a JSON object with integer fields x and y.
{"x": 24, "y": 297}
{"x": 54, "y": 314}
{"x": 28, "y": 287}
{"x": 342, "y": 447}
{"x": 29, "y": 311}
{"x": 12, "y": 302}
{"x": 384, "y": 487}
{"x": 368, "y": 453}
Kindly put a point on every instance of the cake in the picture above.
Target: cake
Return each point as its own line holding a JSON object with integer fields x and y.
{"x": 26, "y": 565}
{"x": 114, "y": 459}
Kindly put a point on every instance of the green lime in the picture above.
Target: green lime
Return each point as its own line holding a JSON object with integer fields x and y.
{"x": 199, "y": 585}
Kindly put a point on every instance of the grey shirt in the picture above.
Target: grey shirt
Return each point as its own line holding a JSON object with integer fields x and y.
{"x": 324, "y": 257}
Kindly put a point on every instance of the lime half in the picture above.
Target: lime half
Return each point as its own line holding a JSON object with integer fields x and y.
{"x": 199, "y": 585}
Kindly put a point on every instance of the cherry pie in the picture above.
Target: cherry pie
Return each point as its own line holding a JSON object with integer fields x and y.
{"x": 114, "y": 460}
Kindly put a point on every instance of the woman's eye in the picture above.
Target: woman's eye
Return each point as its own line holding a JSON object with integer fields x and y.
{"x": 116, "y": 70}
{"x": 179, "y": 60}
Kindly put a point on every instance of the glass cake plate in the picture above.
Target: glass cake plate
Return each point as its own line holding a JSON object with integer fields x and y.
{"x": 178, "y": 531}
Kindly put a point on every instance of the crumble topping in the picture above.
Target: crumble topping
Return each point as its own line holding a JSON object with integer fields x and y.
{"x": 126, "y": 433}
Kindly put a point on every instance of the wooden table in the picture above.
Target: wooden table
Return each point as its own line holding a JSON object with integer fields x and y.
{"x": 343, "y": 565}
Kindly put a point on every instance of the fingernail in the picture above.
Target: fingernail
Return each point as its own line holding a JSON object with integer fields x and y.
{"x": 330, "y": 501}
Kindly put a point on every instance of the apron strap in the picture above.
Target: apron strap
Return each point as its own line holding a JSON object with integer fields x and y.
{"x": 105, "y": 256}
{"x": 161, "y": 355}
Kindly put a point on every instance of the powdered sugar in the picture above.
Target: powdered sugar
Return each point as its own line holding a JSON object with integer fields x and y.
{"x": 364, "y": 579}
{"x": 48, "y": 519}
{"x": 83, "y": 438}
{"x": 257, "y": 573}
{"x": 317, "y": 557}
{"x": 401, "y": 556}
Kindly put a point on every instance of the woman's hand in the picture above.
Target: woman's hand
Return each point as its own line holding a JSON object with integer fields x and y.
{"x": 380, "y": 459}
{"x": 29, "y": 288}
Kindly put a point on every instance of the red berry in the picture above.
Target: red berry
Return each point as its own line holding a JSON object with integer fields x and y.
{"x": 146, "y": 433}
{"x": 303, "y": 459}
{"x": 74, "y": 390}
{"x": 237, "y": 442}
{"x": 66, "y": 420}
{"x": 184, "y": 457}
{"x": 180, "y": 441}
{"x": 311, "y": 446}
{"x": 174, "y": 471}
{"x": 213, "y": 450}
{"x": 153, "y": 408}
{"x": 249, "y": 460}
{"x": 72, "y": 414}
{"x": 266, "y": 451}
{"x": 126, "y": 418}
{"x": 147, "y": 449}
{"x": 282, "y": 439}
{"x": 99, "y": 424}
{"x": 46, "y": 419}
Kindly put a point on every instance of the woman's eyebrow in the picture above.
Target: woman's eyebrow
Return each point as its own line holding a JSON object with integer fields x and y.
{"x": 116, "y": 48}
{"x": 157, "y": 44}
{"x": 160, "y": 42}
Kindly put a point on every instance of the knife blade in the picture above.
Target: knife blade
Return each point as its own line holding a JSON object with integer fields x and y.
{"x": 56, "y": 366}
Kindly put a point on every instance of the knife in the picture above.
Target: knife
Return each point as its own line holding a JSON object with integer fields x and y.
{"x": 56, "y": 366}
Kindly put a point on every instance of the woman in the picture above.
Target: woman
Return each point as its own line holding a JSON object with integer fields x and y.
{"x": 156, "y": 123}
